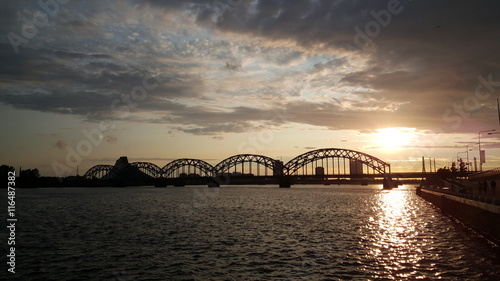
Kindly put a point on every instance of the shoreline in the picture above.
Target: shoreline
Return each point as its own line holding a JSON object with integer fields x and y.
{"x": 482, "y": 216}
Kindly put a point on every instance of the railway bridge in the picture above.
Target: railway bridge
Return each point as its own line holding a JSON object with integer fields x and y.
{"x": 315, "y": 165}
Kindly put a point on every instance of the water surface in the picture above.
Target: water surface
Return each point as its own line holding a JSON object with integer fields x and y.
{"x": 243, "y": 233}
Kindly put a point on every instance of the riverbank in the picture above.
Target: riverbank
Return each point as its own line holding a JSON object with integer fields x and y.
{"x": 478, "y": 212}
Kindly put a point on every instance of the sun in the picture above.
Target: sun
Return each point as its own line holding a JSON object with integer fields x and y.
{"x": 393, "y": 138}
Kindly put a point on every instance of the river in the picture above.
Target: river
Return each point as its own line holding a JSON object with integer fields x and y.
{"x": 242, "y": 233}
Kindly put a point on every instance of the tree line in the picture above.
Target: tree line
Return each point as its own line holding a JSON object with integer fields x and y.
{"x": 26, "y": 177}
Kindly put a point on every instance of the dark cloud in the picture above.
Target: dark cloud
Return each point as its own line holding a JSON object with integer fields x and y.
{"x": 411, "y": 61}
{"x": 207, "y": 129}
{"x": 233, "y": 64}
{"x": 61, "y": 144}
{"x": 111, "y": 139}
{"x": 48, "y": 80}
{"x": 409, "y": 75}
{"x": 309, "y": 147}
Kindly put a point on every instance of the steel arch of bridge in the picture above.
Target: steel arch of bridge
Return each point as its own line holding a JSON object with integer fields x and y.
{"x": 298, "y": 162}
{"x": 169, "y": 169}
{"x": 147, "y": 168}
{"x": 225, "y": 165}
{"x": 100, "y": 171}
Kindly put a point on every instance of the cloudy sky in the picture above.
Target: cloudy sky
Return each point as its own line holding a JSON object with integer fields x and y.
{"x": 85, "y": 82}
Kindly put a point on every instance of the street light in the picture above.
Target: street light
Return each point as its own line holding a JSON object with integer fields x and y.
{"x": 482, "y": 158}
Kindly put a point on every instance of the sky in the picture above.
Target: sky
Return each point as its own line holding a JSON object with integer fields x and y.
{"x": 85, "y": 82}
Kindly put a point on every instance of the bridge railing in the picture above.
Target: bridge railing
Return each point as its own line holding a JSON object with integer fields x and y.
{"x": 485, "y": 175}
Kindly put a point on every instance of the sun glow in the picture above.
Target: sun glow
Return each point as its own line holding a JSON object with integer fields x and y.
{"x": 393, "y": 138}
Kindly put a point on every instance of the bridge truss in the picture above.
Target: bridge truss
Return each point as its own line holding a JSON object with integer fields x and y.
{"x": 333, "y": 162}
{"x": 188, "y": 167}
{"x": 264, "y": 165}
{"x": 147, "y": 168}
{"x": 100, "y": 172}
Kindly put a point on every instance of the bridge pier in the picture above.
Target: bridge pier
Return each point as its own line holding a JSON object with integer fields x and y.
{"x": 161, "y": 182}
{"x": 213, "y": 183}
{"x": 285, "y": 182}
{"x": 164, "y": 182}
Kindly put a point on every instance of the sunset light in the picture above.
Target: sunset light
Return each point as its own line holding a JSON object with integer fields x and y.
{"x": 393, "y": 138}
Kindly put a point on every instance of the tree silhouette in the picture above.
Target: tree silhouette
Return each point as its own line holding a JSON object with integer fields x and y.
{"x": 30, "y": 174}
{"x": 4, "y": 170}
{"x": 29, "y": 178}
{"x": 444, "y": 173}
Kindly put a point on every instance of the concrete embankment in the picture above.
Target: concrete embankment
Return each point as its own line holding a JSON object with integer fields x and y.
{"x": 482, "y": 217}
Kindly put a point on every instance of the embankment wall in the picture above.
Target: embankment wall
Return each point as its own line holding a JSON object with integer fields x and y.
{"x": 482, "y": 217}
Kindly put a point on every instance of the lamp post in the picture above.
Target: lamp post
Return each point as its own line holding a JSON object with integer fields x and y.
{"x": 467, "y": 150}
{"x": 468, "y": 154}
{"x": 482, "y": 159}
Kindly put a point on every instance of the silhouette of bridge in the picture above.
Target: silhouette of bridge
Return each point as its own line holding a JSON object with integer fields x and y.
{"x": 319, "y": 164}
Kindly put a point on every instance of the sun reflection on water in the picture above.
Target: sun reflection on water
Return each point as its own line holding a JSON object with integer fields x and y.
{"x": 392, "y": 240}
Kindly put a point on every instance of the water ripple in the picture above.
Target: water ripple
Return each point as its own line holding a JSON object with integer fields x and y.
{"x": 244, "y": 233}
